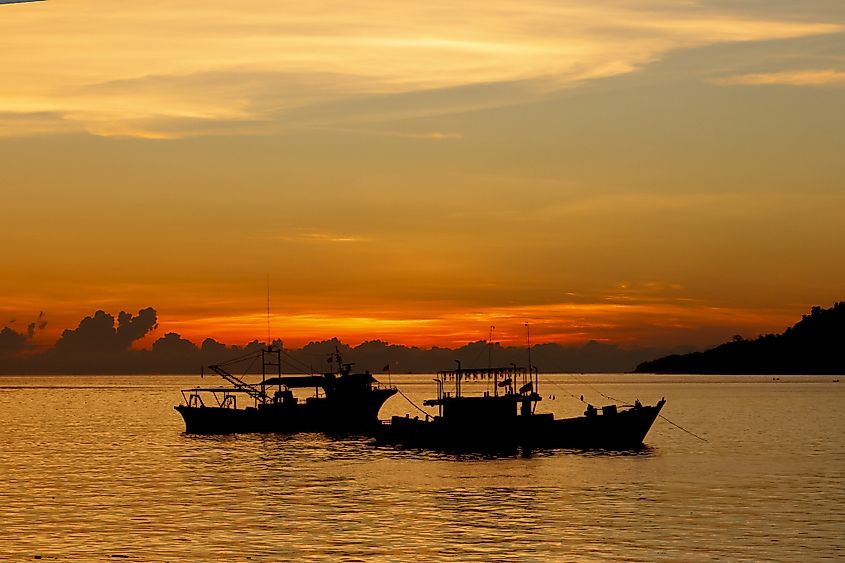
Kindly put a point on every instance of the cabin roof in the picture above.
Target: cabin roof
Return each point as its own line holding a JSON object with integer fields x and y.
{"x": 219, "y": 390}
{"x": 297, "y": 381}
{"x": 490, "y": 372}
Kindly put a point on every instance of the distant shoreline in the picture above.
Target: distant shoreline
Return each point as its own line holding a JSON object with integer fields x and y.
{"x": 812, "y": 346}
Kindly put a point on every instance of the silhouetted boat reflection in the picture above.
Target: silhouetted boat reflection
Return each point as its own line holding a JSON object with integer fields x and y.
{"x": 349, "y": 402}
{"x": 506, "y": 422}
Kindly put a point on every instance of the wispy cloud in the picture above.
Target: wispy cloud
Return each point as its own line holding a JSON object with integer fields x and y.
{"x": 324, "y": 237}
{"x": 826, "y": 77}
{"x": 426, "y": 136}
{"x": 257, "y": 67}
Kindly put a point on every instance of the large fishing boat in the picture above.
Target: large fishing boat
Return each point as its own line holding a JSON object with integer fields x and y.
{"x": 340, "y": 402}
{"x": 505, "y": 418}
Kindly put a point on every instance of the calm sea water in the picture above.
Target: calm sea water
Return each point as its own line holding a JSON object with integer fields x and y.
{"x": 98, "y": 468}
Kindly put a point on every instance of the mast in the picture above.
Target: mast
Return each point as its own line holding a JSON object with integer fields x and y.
{"x": 264, "y": 374}
{"x": 490, "y": 359}
{"x": 458, "y": 379}
{"x": 528, "y": 333}
{"x": 269, "y": 348}
{"x": 268, "y": 311}
{"x": 490, "y": 348}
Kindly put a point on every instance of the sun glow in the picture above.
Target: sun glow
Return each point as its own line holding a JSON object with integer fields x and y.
{"x": 640, "y": 173}
{"x": 565, "y": 323}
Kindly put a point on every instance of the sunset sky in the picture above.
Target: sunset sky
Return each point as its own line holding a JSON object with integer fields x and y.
{"x": 641, "y": 172}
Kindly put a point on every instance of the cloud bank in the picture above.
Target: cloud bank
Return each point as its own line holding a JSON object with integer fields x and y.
{"x": 13, "y": 342}
{"x": 103, "y": 344}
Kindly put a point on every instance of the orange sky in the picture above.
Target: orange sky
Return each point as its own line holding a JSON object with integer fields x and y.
{"x": 648, "y": 173}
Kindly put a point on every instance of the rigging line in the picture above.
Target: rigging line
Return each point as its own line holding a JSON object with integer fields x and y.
{"x": 591, "y": 386}
{"x": 413, "y": 404}
{"x": 682, "y": 428}
{"x": 302, "y": 367}
{"x": 623, "y": 403}
{"x": 547, "y": 380}
{"x": 240, "y": 358}
{"x": 582, "y": 380}
{"x": 490, "y": 348}
{"x": 474, "y": 361}
{"x": 628, "y": 404}
{"x": 249, "y": 366}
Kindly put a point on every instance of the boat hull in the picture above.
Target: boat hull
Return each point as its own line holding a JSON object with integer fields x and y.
{"x": 626, "y": 429}
{"x": 441, "y": 434}
{"x": 621, "y": 430}
{"x": 353, "y": 414}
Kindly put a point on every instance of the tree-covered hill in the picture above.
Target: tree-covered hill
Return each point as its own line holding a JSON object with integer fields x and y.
{"x": 814, "y": 345}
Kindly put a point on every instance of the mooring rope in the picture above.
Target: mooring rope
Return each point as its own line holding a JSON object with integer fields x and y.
{"x": 413, "y": 404}
{"x": 623, "y": 403}
{"x": 682, "y": 428}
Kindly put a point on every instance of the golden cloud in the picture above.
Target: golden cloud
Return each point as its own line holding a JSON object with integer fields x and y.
{"x": 161, "y": 70}
{"x": 827, "y": 77}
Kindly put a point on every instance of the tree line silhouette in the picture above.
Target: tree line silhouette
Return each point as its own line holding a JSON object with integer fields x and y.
{"x": 815, "y": 345}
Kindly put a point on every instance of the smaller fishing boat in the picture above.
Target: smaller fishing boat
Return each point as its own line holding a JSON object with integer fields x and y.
{"x": 341, "y": 401}
{"x": 506, "y": 420}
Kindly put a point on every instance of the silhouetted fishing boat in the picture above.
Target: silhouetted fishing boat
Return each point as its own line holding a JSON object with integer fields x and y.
{"x": 342, "y": 401}
{"x": 506, "y": 420}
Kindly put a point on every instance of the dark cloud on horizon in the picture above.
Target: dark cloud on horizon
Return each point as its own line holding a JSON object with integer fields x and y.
{"x": 98, "y": 333}
{"x": 13, "y": 342}
{"x": 102, "y": 344}
{"x": 172, "y": 344}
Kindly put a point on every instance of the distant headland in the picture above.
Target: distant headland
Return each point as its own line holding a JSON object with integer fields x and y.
{"x": 815, "y": 345}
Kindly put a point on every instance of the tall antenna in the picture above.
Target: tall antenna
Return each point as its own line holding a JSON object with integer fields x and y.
{"x": 490, "y": 348}
{"x": 268, "y": 311}
{"x": 528, "y": 333}
{"x": 490, "y": 358}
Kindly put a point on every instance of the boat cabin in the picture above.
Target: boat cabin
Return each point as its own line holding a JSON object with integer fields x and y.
{"x": 511, "y": 392}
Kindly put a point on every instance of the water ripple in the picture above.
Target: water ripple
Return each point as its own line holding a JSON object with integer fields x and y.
{"x": 98, "y": 468}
